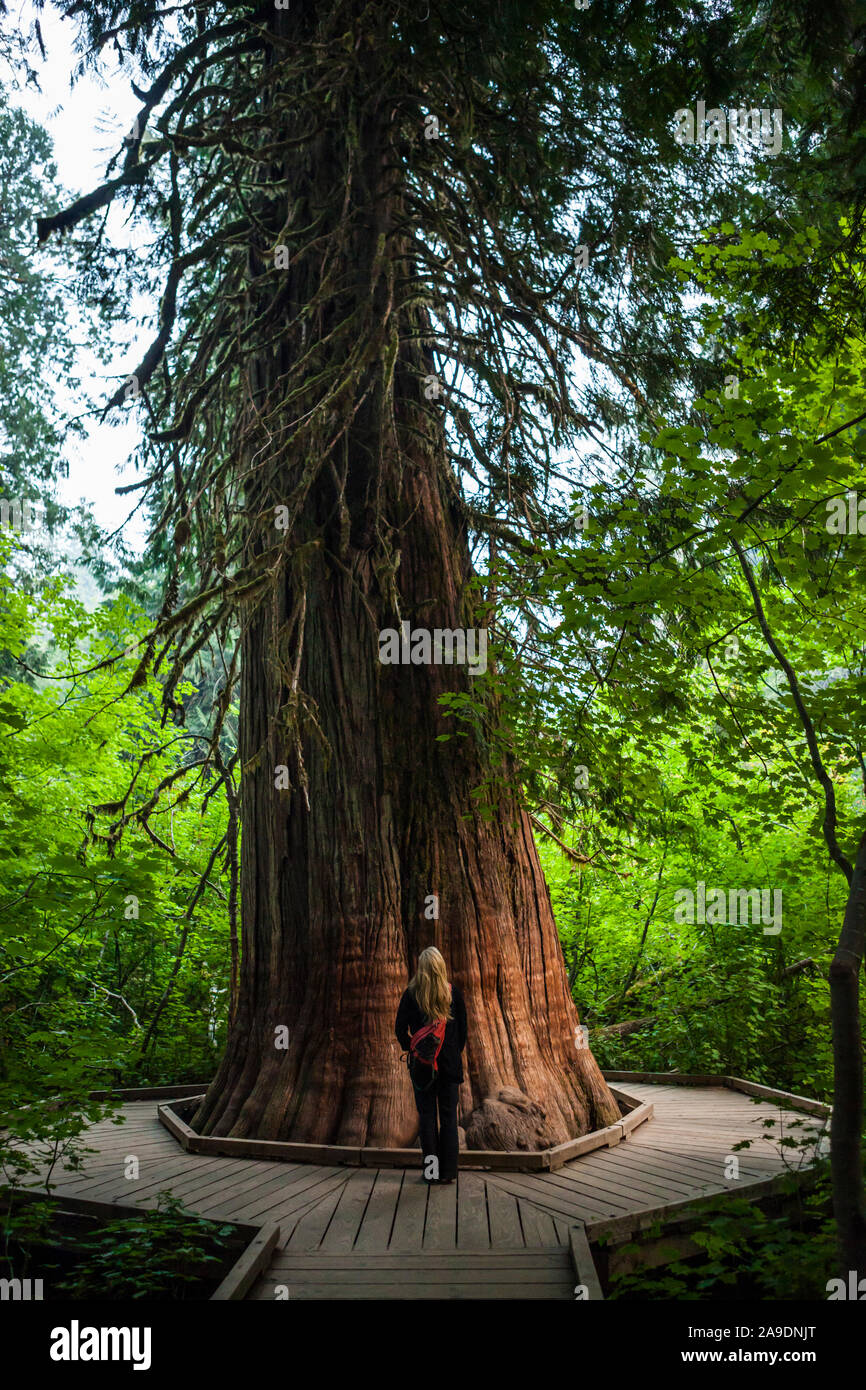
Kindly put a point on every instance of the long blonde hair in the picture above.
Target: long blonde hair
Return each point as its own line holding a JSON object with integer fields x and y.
{"x": 430, "y": 985}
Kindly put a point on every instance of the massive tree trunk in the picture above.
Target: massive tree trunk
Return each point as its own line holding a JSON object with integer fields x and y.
{"x": 382, "y": 822}
{"x": 335, "y": 892}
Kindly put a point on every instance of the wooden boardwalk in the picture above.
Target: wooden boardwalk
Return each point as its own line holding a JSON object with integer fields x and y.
{"x": 374, "y": 1233}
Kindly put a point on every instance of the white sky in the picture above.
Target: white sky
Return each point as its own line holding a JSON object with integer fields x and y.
{"x": 87, "y": 124}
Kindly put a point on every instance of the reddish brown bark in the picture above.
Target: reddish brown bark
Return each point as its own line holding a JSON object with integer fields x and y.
{"x": 336, "y": 871}
{"x": 334, "y": 896}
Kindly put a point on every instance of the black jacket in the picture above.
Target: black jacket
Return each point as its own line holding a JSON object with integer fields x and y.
{"x": 410, "y": 1019}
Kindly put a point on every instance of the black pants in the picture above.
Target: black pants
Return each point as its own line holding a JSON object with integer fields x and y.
{"x": 441, "y": 1096}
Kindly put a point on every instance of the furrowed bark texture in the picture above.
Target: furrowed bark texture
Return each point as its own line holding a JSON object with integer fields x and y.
{"x": 334, "y": 896}
{"x": 336, "y": 872}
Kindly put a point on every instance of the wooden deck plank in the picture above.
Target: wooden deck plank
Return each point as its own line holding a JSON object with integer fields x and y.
{"x": 711, "y": 1134}
{"x": 440, "y": 1232}
{"x": 742, "y": 1124}
{"x": 453, "y": 1289}
{"x": 642, "y": 1175}
{"x": 530, "y": 1220}
{"x": 764, "y": 1156}
{"x": 287, "y": 1218}
{"x": 306, "y": 1235}
{"x": 698, "y": 1174}
{"x": 192, "y": 1182}
{"x": 238, "y": 1202}
{"x": 521, "y": 1274}
{"x": 276, "y": 1205}
{"x": 352, "y": 1274}
{"x": 589, "y": 1192}
{"x": 648, "y": 1172}
{"x": 692, "y": 1162}
{"x": 419, "y": 1262}
{"x": 110, "y": 1189}
{"x": 346, "y": 1220}
{"x": 260, "y": 1178}
{"x": 408, "y": 1230}
{"x": 574, "y": 1207}
{"x": 94, "y": 1171}
{"x": 108, "y": 1158}
{"x": 473, "y": 1229}
{"x": 547, "y": 1228}
{"x": 118, "y": 1140}
{"x": 146, "y": 1124}
{"x": 743, "y": 1129}
{"x": 503, "y": 1217}
{"x": 290, "y": 1210}
{"x": 202, "y": 1181}
{"x": 609, "y": 1182}
{"x": 375, "y": 1232}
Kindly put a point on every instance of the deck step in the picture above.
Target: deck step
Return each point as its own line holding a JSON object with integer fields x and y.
{"x": 544, "y": 1273}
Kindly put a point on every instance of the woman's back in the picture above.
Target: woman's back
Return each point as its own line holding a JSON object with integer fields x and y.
{"x": 410, "y": 1017}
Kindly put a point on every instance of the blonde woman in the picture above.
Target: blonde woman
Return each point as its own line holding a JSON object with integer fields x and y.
{"x": 431, "y": 1028}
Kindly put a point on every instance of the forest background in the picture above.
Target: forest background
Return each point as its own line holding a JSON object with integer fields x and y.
{"x": 693, "y": 591}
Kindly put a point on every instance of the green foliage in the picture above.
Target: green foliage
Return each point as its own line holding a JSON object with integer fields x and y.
{"x": 158, "y": 1254}
{"x": 91, "y": 924}
{"x": 162, "y": 1254}
{"x": 698, "y": 764}
{"x": 709, "y": 997}
{"x": 748, "y": 1254}
{"x": 35, "y": 345}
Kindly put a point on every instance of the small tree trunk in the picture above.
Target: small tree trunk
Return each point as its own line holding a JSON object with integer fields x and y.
{"x": 234, "y": 940}
{"x": 846, "y": 1125}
